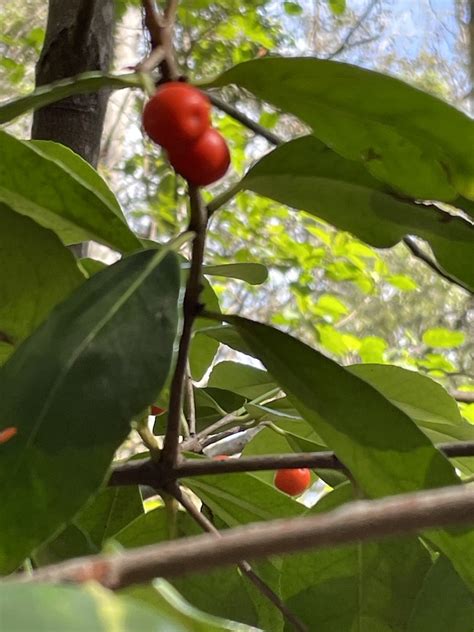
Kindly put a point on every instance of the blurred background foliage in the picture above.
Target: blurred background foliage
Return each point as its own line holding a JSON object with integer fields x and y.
{"x": 354, "y": 302}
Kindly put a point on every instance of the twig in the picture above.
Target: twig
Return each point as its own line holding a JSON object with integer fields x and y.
{"x": 466, "y": 397}
{"x": 198, "y": 224}
{"x": 160, "y": 29}
{"x": 418, "y": 252}
{"x": 190, "y": 404}
{"x": 145, "y": 473}
{"x": 245, "y": 120}
{"x": 354, "y": 522}
{"x": 244, "y": 566}
{"x": 355, "y": 28}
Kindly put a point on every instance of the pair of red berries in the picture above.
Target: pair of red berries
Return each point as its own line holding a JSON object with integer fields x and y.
{"x": 178, "y": 117}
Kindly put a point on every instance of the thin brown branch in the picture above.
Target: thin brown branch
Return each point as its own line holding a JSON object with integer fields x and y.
{"x": 145, "y": 473}
{"x": 190, "y": 403}
{"x": 244, "y": 566}
{"x": 354, "y": 522}
{"x": 160, "y": 28}
{"x": 466, "y": 397}
{"x": 198, "y": 225}
{"x": 419, "y": 253}
{"x": 245, "y": 120}
{"x": 345, "y": 42}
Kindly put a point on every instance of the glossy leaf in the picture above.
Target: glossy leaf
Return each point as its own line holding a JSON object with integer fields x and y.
{"x": 307, "y": 175}
{"x": 253, "y": 273}
{"x": 168, "y": 601}
{"x": 59, "y": 199}
{"x": 443, "y": 603}
{"x": 405, "y": 137}
{"x": 371, "y": 436}
{"x": 81, "y": 170}
{"x": 44, "y": 95}
{"x": 72, "y": 388}
{"x": 37, "y": 273}
{"x": 375, "y": 582}
{"x": 46, "y": 607}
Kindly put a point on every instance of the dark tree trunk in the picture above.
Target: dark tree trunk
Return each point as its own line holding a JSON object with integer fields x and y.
{"x": 79, "y": 38}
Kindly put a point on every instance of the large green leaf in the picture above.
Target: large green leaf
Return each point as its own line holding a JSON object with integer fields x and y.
{"x": 375, "y": 582}
{"x": 73, "y": 205}
{"x": 307, "y": 175}
{"x": 46, "y": 607}
{"x": 86, "y": 82}
{"x": 405, "y": 137}
{"x": 37, "y": 273}
{"x": 81, "y": 170}
{"x": 72, "y": 388}
{"x": 443, "y": 603}
{"x": 382, "y": 447}
{"x": 422, "y": 399}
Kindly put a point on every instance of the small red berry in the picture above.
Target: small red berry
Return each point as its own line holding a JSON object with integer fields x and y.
{"x": 156, "y": 410}
{"x": 293, "y": 482}
{"x": 202, "y": 162}
{"x": 177, "y": 113}
{"x": 7, "y": 434}
{"x": 221, "y": 457}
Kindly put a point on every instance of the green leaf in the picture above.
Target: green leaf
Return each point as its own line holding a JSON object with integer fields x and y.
{"x": 243, "y": 379}
{"x": 71, "y": 542}
{"x": 443, "y": 603}
{"x": 337, "y": 6}
{"x": 109, "y": 512}
{"x": 307, "y": 175}
{"x": 371, "y": 436}
{"x": 91, "y": 266}
{"x": 444, "y": 338}
{"x": 80, "y": 170}
{"x": 375, "y": 582}
{"x": 402, "y": 282}
{"x": 253, "y": 273}
{"x": 422, "y": 399}
{"x": 203, "y": 349}
{"x": 405, "y": 137}
{"x": 227, "y": 496}
{"x": 72, "y": 204}
{"x": 72, "y": 388}
{"x": 228, "y": 336}
{"x": 37, "y": 273}
{"x": 169, "y": 602}
{"x": 86, "y": 82}
{"x": 45, "y": 607}
{"x": 372, "y": 349}
{"x": 292, "y": 8}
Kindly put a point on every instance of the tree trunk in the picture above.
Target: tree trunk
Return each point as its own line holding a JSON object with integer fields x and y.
{"x": 79, "y": 38}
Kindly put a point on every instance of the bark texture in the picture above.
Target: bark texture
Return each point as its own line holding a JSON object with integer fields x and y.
{"x": 79, "y": 38}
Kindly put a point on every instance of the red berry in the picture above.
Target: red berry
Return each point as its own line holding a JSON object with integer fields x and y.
{"x": 293, "y": 482}
{"x": 7, "y": 434}
{"x": 177, "y": 113}
{"x": 202, "y": 162}
{"x": 156, "y": 410}
{"x": 221, "y": 457}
